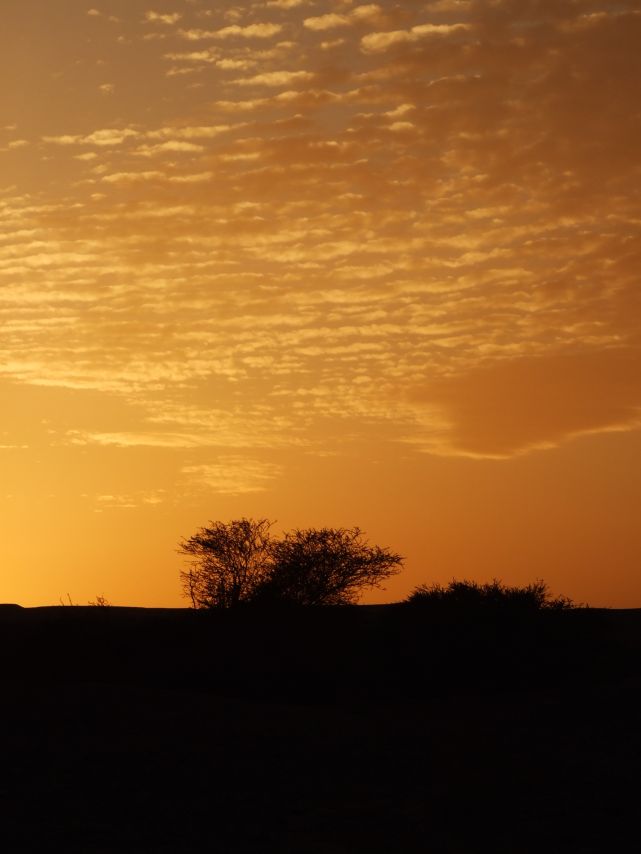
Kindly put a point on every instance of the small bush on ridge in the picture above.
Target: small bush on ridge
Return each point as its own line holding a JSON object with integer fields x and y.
{"x": 491, "y": 595}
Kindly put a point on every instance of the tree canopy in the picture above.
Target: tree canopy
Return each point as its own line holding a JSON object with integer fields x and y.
{"x": 228, "y": 562}
{"x": 241, "y": 562}
{"x": 326, "y": 566}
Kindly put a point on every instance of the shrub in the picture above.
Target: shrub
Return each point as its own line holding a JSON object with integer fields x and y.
{"x": 493, "y": 595}
{"x": 240, "y": 563}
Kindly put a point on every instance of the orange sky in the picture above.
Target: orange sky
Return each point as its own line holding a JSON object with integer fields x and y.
{"x": 329, "y": 263}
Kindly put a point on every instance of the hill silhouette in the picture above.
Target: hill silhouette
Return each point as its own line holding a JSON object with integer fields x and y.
{"x": 348, "y": 729}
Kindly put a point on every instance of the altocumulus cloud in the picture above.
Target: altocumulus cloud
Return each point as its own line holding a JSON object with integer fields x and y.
{"x": 396, "y": 243}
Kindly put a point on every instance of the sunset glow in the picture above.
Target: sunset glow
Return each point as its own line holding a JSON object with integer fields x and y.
{"x": 325, "y": 263}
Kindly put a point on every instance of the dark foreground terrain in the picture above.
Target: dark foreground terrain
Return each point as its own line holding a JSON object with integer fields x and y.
{"x": 332, "y": 731}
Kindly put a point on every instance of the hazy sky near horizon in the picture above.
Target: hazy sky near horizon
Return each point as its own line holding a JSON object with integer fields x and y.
{"x": 325, "y": 262}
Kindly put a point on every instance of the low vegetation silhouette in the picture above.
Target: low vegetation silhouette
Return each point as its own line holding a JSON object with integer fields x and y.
{"x": 335, "y": 728}
{"x": 494, "y": 595}
{"x": 241, "y": 562}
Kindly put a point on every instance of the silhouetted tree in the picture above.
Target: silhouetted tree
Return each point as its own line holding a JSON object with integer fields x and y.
{"x": 472, "y": 595}
{"x": 228, "y": 562}
{"x": 239, "y": 562}
{"x": 325, "y": 566}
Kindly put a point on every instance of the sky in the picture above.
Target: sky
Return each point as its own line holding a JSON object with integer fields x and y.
{"x": 328, "y": 263}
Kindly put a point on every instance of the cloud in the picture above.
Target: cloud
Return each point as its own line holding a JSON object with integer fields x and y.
{"x": 171, "y": 146}
{"x": 138, "y": 439}
{"x": 275, "y": 78}
{"x": 388, "y": 215}
{"x": 195, "y": 178}
{"x": 176, "y": 139}
{"x": 600, "y": 18}
{"x": 304, "y": 99}
{"x": 517, "y": 405}
{"x": 96, "y": 13}
{"x": 130, "y": 177}
{"x": 189, "y": 132}
{"x": 288, "y": 4}
{"x": 449, "y": 6}
{"x": 236, "y": 64}
{"x": 206, "y": 56}
{"x": 399, "y": 127}
{"x": 332, "y": 20}
{"x": 333, "y": 43}
{"x": 162, "y": 18}
{"x": 130, "y": 501}
{"x": 106, "y": 137}
{"x": 234, "y": 475}
{"x": 251, "y": 31}
{"x": 326, "y": 22}
{"x": 378, "y": 42}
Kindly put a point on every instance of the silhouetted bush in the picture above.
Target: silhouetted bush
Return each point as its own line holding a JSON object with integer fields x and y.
{"x": 324, "y": 566}
{"x": 240, "y": 563}
{"x": 228, "y": 562}
{"x": 494, "y": 595}
{"x": 100, "y": 601}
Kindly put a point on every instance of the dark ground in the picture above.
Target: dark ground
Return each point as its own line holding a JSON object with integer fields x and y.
{"x": 332, "y": 731}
